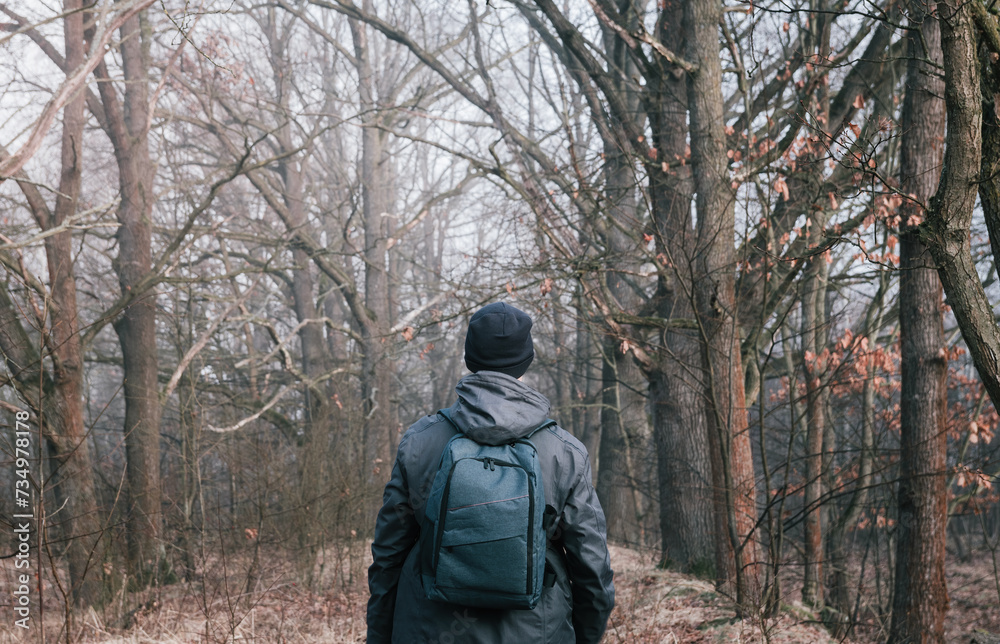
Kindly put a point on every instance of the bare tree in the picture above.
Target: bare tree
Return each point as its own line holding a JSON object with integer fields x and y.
{"x": 920, "y": 597}
{"x": 57, "y": 395}
{"x": 377, "y": 384}
{"x": 126, "y": 120}
{"x": 675, "y": 387}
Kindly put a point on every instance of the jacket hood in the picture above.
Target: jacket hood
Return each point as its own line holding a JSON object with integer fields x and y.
{"x": 494, "y": 408}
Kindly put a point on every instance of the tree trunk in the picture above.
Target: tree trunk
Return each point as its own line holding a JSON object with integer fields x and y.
{"x": 737, "y": 554}
{"x": 83, "y": 527}
{"x": 586, "y": 420}
{"x": 685, "y": 485}
{"x": 126, "y": 124}
{"x": 813, "y": 342}
{"x": 136, "y": 328}
{"x": 625, "y": 431}
{"x": 616, "y": 477}
{"x": 561, "y": 372}
{"x": 624, "y": 427}
{"x": 381, "y": 426}
{"x": 920, "y": 597}
{"x": 60, "y": 398}
{"x": 61, "y": 423}
{"x": 440, "y": 360}
{"x": 191, "y": 475}
{"x": 949, "y": 218}
{"x": 675, "y": 390}
{"x": 316, "y": 432}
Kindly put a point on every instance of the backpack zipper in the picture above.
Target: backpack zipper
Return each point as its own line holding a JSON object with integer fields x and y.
{"x": 444, "y": 499}
{"x": 531, "y": 535}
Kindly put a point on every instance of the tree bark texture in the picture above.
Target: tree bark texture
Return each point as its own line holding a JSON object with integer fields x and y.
{"x": 946, "y": 231}
{"x": 989, "y": 188}
{"x": 737, "y": 554}
{"x": 675, "y": 388}
{"x": 136, "y": 327}
{"x": 920, "y": 597}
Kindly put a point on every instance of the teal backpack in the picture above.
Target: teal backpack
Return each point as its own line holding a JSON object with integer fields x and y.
{"x": 482, "y": 540}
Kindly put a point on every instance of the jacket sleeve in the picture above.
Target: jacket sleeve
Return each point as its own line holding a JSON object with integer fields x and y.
{"x": 584, "y": 537}
{"x": 396, "y": 532}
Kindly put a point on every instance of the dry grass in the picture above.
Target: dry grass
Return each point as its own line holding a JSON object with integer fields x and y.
{"x": 665, "y": 607}
{"x": 653, "y": 606}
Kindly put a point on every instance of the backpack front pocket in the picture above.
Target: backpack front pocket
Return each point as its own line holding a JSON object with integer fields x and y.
{"x": 484, "y": 540}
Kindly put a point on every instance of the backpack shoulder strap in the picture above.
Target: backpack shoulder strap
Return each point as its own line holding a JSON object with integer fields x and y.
{"x": 447, "y": 415}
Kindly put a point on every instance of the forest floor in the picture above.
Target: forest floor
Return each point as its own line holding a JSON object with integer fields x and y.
{"x": 653, "y": 606}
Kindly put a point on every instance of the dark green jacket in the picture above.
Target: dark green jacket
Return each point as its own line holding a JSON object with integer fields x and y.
{"x": 492, "y": 408}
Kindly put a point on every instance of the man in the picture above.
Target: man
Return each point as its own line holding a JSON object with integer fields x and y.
{"x": 494, "y": 408}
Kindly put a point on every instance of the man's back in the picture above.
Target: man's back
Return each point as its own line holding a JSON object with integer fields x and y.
{"x": 492, "y": 408}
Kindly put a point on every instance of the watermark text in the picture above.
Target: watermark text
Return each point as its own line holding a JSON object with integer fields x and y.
{"x": 24, "y": 517}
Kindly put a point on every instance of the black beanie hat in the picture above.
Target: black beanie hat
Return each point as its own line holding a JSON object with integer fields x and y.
{"x": 499, "y": 339}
